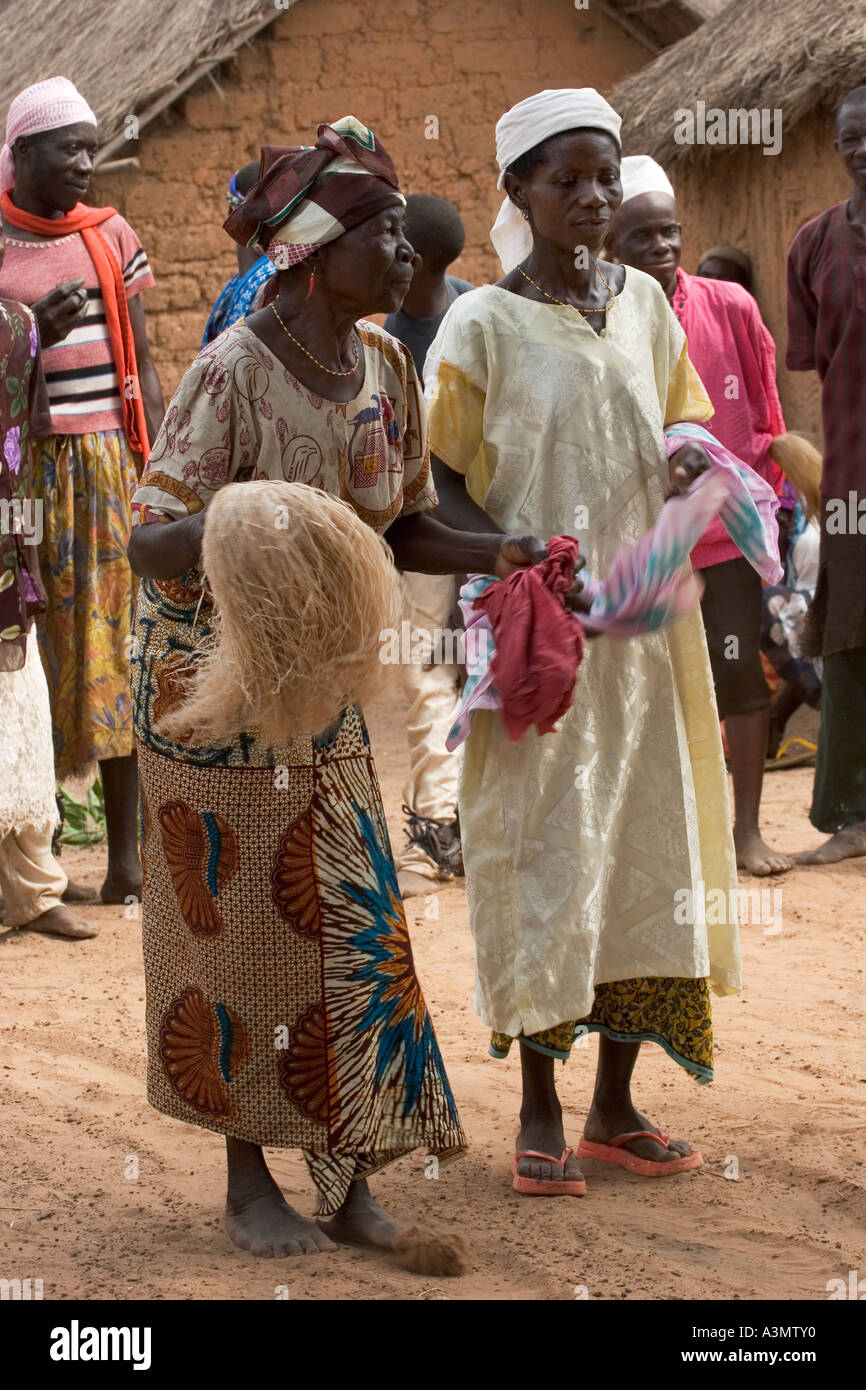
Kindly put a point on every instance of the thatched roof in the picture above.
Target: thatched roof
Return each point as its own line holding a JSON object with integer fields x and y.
{"x": 659, "y": 23}
{"x": 794, "y": 55}
{"x": 128, "y": 56}
{"x": 135, "y": 57}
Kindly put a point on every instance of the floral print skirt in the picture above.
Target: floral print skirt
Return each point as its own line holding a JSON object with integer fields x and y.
{"x": 675, "y": 1013}
{"x": 86, "y": 482}
{"x": 283, "y": 1006}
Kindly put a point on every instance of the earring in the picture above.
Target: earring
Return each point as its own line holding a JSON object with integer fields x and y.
{"x": 312, "y": 284}
{"x": 526, "y": 214}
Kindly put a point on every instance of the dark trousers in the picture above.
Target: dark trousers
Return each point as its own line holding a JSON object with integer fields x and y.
{"x": 839, "y": 796}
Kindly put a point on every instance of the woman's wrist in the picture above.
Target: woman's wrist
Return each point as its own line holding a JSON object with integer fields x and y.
{"x": 194, "y": 532}
{"x": 483, "y": 552}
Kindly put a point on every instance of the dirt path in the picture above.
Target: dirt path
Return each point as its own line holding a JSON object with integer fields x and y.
{"x": 786, "y": 1112}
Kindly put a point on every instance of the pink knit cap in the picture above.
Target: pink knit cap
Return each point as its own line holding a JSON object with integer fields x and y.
{"x": 44, "y": 106}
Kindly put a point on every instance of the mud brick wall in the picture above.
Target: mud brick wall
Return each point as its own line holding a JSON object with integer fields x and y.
{"x": 394, "y": 66}
{"x": 759, "y": 202}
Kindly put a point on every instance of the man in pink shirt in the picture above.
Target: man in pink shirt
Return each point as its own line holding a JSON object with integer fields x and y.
{"x": 735, "y": 357}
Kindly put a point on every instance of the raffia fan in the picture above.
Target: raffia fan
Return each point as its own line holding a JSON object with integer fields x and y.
{"x": 302, "y": 591}
{"x": 802, "y": 465}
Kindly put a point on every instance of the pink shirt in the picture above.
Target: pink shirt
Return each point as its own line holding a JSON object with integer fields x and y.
{"x": 83, "y": 389}
{"x": 735, "y": 357}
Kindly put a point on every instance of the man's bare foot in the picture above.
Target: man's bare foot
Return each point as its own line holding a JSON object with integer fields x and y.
{"x": 267, "y": 1226}
{"x": 59, "y": 921}
{"x": 755, "y": 857}
{"x": 548, "y": 1137}
{"x": 601, "y": 1128}
{"x": 847, "y": 843}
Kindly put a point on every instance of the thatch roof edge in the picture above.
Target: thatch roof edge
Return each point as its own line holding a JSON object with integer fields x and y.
{"x": 128, "y": 60}
{"x": 795, "y": 56}
{"x": 159, "y": 103}
{"x": 659, "y": 23}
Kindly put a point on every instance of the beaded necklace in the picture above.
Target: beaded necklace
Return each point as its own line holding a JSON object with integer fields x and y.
{"x": 320, "y": 365}
{"x": 581, "y": 308}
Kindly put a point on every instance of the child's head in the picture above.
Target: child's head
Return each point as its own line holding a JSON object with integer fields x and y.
{"x": 434, "y": 228}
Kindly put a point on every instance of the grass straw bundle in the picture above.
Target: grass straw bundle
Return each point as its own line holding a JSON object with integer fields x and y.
{"x": 302, "y": 589}
{"x": 802, "y": 465}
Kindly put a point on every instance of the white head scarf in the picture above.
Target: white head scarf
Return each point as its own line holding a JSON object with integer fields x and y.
{"x": 522, "y": 128}
{"x": 640, "y": 174}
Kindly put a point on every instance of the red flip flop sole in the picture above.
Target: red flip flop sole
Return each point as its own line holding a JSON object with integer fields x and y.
{"x": 546, "y": 1187}
{"x": 643, "y": 1167}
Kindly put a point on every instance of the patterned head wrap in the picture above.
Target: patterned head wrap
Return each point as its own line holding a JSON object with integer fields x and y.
{"x": 301, "y": 200}
{"x": 44, "y": 106}
{"x": 528, "y": 124}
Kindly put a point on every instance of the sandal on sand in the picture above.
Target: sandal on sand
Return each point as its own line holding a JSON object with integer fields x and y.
{"x": 789, "y": 755}
{"x": 614, "y": 1152}
{"x": 546, "y": 1187}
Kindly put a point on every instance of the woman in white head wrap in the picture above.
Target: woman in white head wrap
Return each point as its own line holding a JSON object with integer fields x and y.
{"x": 587, "y": 849}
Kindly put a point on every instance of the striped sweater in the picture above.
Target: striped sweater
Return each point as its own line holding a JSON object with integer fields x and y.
{"x": 83, "y": 387}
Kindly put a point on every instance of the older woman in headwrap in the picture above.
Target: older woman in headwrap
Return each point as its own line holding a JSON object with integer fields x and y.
{"x": 283, "y": 1007}
{"x": 586, "y": 849}
{"x": 32, "y": 881}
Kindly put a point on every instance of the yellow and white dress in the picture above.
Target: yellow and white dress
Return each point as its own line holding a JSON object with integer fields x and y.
{"x": 589, "y": 852}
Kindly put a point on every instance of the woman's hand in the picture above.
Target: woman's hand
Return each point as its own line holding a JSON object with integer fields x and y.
{"x": 686, "y": 464}
{"x": 517, "y": 552}
{"x": 576, "y": 599}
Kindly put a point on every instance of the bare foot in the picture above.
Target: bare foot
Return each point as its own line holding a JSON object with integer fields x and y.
{"x": 77, "y": 893}
{"x": 119, "y": 887}
{"x": 59, "y": 921}
{"x": 548, "y": 1137}
{"x": 600, "y": 1129}
{"x": 362, "y": 1221}
{"x": 266, "y": 1225}
{"x": 754, "y": 857}
{"x": 412, "y": 884}
{"x": 847, "y": 843}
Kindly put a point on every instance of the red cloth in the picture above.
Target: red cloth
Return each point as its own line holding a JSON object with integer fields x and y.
{"x": 539, "y": 642}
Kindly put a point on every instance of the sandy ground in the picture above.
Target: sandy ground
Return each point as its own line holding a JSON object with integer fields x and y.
{"x": 785, "y": 1115}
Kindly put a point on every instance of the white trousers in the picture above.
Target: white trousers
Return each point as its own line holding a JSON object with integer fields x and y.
{"x": 31, "y": 879}
{"x": 432, "y": 691}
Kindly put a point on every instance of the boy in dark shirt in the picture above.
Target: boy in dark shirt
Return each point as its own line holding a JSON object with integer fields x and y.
{"x": 432, "y": 854}
{"x": 434, "y": 228}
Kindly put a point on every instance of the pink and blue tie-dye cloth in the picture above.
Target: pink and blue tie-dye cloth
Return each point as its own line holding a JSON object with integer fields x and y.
{"x": 647, "y": 586}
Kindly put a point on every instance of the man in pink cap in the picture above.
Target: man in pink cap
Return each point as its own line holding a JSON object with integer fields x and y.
{"x": 81, "y": 270}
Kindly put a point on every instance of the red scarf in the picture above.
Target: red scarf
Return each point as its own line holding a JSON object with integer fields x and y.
{"x": 110, "y": 276}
